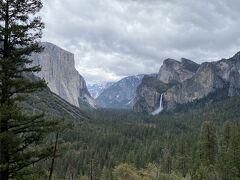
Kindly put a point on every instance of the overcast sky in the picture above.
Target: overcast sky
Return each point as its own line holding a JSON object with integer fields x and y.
{"x": 116, "y": 38}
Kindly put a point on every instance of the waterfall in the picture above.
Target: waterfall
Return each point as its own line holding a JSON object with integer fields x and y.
{"x": 160, "y": 108}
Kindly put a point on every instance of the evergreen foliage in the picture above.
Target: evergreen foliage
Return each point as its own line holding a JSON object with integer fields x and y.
{"x": 111, "y": 144}
{"x": 21, "y": 134}
{"x": 183, "y": 145}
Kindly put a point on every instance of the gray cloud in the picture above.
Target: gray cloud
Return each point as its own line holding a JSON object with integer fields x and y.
{"x": 116, "y": 38}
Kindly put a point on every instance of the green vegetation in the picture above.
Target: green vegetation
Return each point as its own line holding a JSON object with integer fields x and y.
{"x": 200, "y": 143}
{"x": 194, "y": 142}
{"x": 22, "y": 134}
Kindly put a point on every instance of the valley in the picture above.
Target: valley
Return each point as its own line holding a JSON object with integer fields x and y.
{"x": 151, "y": 138}
{"x": 97, "y": 90}
{"x": 170, "y": 142}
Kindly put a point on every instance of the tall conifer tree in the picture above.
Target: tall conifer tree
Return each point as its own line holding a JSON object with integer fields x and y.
{"x": 208, "y": 143}
{"x": 21, "y": 135}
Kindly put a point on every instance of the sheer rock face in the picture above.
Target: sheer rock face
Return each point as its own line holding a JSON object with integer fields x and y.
{"x": 173, "y": 71}
{"x": 58, "y": 69}
{"x": 189, "y": 82}
{"x": 200, "y": 85}
{"x": 229, "y": 71}
{"x": 209, "y": 77}
{"x": 148, "y": 94}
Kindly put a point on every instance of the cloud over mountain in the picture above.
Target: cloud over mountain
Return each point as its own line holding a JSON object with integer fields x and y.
{"x": 116, "y": 38}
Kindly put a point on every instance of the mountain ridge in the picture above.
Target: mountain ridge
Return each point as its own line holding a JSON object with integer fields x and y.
{"x": 120, "y": 94}
{"x": 96, "y": 89}
{"x": 189, "y": 86}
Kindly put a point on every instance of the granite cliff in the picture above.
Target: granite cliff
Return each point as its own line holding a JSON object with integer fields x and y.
{"x": 185, "y": 82}
{"x": 173, "y": 71}
{"x": 58, "y": 69}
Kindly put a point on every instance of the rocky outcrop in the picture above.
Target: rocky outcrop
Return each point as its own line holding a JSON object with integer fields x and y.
{"x": 229, "y": 71}
{"x": 120, "y": 94}
{"x": 148, "y": 94}
{"x": 188, "y": 82}
{"x": 173, "y": 71}
{"x": 209, "y": 78}
{"x": 200, "y": 85}
{"x": 58, "y": 69}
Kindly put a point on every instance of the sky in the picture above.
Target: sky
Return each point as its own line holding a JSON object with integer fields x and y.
{"x": 112, "y": 39}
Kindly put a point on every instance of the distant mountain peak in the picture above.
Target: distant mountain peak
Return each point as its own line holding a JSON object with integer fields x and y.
{"x": 237, "y": 56}
{"x": 120, "y": 94}
{"x": 96, "y": 89}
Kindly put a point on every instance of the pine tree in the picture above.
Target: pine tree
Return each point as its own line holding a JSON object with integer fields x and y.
{"x": 208, "y": 143}
{"x": 234, "y": 151}
{"x": 182, "y": 155}
{"x": 125, "y": 172}
{"x": 53, "y": 156}
{"x": 21, "y": 134}
{"x": 224, "y": 162}
{"x": 106, "y": 174}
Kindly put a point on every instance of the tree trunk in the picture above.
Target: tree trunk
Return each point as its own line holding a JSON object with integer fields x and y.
{"x": 4, "y": 155}
{"x": 53, "y": 158}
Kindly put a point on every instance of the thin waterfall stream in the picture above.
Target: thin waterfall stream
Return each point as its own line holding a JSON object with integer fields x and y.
{"x": 160, "y": 108}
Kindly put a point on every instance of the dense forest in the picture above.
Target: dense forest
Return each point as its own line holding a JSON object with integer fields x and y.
{"x": 198, "y": 141}
{"x": 194, "y": 143}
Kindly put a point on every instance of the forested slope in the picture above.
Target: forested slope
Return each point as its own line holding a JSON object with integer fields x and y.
{"x": 193, "y": 142}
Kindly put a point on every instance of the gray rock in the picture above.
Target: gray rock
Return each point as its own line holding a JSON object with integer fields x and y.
{"x": 96, "y": 89}
{"x": 120, "y": 94}
{"x": 58, "y": 69}
{"x": 148, "y": 94}
{"x": 200, "y": 85}
{"x": 189, "y": 82}
{"x": 208, "y": 78}
{"x": 173, "y": 71}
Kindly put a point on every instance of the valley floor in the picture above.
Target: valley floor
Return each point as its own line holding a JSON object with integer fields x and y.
{"x": 193, "y": 143}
